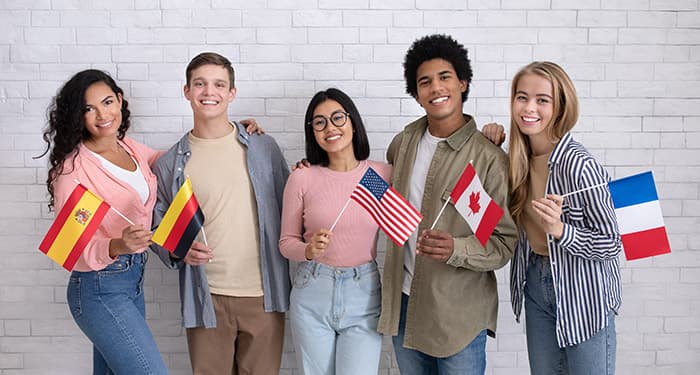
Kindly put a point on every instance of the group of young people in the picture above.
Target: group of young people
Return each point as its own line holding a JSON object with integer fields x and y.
{"x": 437, "y": 296}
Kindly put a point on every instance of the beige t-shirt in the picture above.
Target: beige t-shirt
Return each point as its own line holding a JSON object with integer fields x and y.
{"x": 219, "y": 175}
{"x": 531, "y": 220}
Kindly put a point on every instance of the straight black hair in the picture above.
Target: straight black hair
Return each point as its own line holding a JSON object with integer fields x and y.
{"x": 360, "y": 144}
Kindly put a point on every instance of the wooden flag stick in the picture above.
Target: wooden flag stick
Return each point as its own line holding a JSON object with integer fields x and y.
{"x": 439, "y": 214}
{"x": 340, "y": 214}
{"x": 121, "y": 215}
{"x": 584, "y": 189}
{"x": 204, "y": 236}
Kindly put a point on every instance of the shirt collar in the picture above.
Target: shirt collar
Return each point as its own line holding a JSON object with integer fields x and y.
{"x": 460, "y": 137}
{"x": 183, "y": 146}
{"x": 558, "y": 151}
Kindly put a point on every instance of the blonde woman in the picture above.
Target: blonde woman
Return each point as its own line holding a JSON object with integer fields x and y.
{"x": 566, "y": 265}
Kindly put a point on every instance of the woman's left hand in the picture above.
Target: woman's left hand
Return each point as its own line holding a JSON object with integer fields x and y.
{"x": 495, "y": 133}
{"x": 549, "y": 209}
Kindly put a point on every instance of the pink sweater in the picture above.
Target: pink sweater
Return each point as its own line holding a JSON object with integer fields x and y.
{"x": 313, "y": 198}
{"x": 90, "y": 172}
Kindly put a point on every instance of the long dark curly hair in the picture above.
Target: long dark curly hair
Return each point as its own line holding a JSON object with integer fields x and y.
{"x": 66, "y": 122}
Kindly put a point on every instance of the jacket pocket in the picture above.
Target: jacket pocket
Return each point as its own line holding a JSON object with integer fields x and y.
{"x": 573, "y": 213}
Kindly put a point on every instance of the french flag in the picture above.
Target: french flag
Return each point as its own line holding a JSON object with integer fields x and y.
{"x": 639, "y": 216}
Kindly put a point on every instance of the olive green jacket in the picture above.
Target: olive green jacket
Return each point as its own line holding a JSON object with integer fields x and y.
{"x": 450, "y": 302}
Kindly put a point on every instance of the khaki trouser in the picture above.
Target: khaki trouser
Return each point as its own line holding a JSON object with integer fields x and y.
{"x": 246, "y": 340}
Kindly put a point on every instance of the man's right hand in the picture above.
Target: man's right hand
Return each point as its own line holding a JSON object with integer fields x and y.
{"x": 495, "y": 133}
{"x": 301, "y": 164}
{"x": 198, "y": 254}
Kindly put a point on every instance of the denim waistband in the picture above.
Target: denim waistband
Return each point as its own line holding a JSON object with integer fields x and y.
{"x": 343, "y": 272}
{"x": 140, "y": 258}
{"x": 534, "y": 257}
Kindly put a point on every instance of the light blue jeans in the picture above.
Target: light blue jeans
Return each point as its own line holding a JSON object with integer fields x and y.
{"x": 469, "y": 361}
{"x": 333, "y": 315}
{"x": 108, "y": 307}
{"x": 595, "y": 356}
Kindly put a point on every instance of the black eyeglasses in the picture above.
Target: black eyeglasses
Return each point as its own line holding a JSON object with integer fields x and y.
{"x": 338, "y": 119}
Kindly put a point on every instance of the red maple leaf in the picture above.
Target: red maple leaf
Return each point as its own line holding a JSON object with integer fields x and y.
{"x": 474, "y": 202}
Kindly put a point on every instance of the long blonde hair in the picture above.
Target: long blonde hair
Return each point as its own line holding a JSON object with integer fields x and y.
{"x": 564, "y": 117}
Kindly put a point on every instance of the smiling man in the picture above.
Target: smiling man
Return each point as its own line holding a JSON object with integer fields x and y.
{"x": 439, "y": 295}
{"x": 234, "y": 285}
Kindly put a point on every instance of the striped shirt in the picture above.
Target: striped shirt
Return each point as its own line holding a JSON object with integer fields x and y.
{"x": 584, "y": 261}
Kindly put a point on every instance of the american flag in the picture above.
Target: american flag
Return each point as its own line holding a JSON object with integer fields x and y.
{"x": 392, "y": 212}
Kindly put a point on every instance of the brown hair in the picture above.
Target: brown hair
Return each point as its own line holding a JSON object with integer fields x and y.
{"x": 210, "y": 58}
{"x": 564, "y": 117}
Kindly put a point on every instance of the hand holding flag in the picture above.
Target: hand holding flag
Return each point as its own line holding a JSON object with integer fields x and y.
{"x": 181, "y": 222}
{"x": 435, "y": 244}
{"x": 318, "y": 244}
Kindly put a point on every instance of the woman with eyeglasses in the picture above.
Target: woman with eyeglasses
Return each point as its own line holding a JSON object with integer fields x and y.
{"x": 336, "y": 293}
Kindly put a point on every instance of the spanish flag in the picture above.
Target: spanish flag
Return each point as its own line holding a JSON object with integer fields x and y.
{"x": 74, "y": 226}
{"x": 181, "y": 222}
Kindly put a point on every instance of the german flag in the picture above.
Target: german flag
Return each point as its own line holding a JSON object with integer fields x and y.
{"x": 181, "y": 222}
{"x": 74, "y": 226}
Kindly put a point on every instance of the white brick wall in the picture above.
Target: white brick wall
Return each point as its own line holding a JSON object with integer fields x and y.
{"x": 636, "y": 64}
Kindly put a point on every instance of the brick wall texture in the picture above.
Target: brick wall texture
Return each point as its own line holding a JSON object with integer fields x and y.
{"x": 635, "y": 63}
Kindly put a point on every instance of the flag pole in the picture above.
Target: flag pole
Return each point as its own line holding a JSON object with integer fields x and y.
{"x": 439, "y": 214}
{"x": 341, "y": 213}
{"x": 584, "y": 189}
{"x": 204, "y": 236}
{"x": 121, "y": 215}
{"x": 112, "y": 208}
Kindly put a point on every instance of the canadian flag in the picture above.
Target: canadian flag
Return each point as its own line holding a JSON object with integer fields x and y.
{"x": 475, "y": 205}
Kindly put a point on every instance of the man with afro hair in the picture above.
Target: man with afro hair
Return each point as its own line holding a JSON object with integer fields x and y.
{"x": 439, "y": 295}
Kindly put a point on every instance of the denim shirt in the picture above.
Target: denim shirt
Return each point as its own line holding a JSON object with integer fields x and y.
{"x": 268, "y": 172}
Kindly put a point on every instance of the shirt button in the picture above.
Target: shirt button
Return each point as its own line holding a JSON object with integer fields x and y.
{"x": 179, "y": 169}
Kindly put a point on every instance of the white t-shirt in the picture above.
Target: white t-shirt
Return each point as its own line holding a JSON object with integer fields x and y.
{"x": 424, "y": 157}
{"x": 135, "y": 178}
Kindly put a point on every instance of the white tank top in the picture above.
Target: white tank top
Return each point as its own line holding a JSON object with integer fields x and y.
{"x": 135, "y": 178}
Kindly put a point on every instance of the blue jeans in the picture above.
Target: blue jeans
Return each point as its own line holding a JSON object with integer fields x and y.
{"x": 469, "y": 361}
{"x": 333, "y": 315}
{"x": 595, "y": 356}
{"x": 108, "y": 307}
